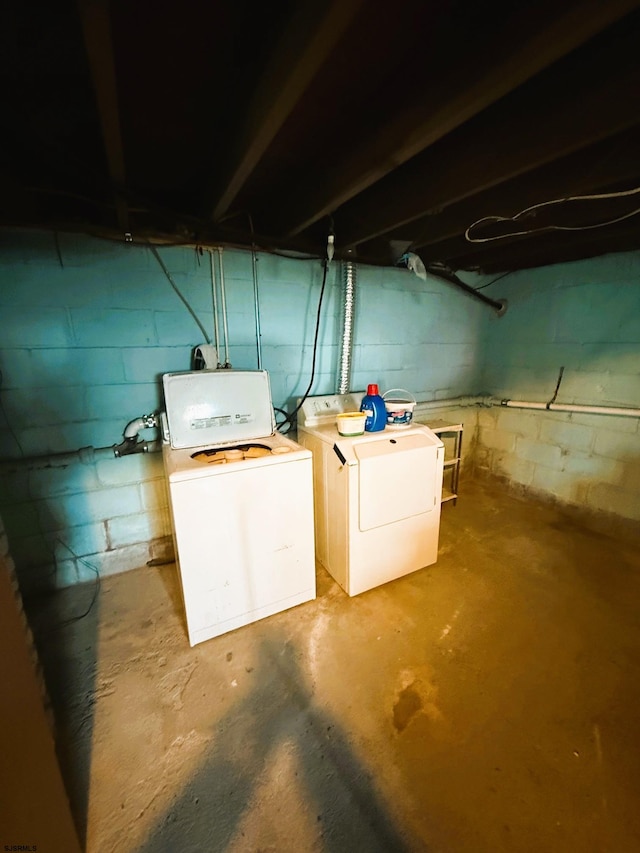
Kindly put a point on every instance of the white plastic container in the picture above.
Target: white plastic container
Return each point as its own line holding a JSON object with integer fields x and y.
{"x": 399, "y": 408}
{"x": 351, "y": 423}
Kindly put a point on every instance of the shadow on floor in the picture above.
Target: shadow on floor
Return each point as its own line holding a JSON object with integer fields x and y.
{"x": 65, "y": 628}
{"x": 279, "y": 767}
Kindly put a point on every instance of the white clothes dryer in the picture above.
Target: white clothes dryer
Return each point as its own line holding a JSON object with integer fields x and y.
{"x": 377, "y": 496}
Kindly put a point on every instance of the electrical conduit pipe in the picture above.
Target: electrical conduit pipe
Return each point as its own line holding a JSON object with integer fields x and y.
{"x": 214, "y": 297}
{"x": 256, "y": 306}
{"x": 223, "y": 303}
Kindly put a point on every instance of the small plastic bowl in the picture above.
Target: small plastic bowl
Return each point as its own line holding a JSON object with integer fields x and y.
{"x": 351, "y": 423}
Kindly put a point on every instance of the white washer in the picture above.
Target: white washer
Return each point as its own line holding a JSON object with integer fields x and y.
{"x": 241, "y": 500}
{"x": 377, "y": 496}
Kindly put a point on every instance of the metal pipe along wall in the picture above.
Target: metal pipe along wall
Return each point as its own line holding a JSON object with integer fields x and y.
{"x": 618, "y": 411}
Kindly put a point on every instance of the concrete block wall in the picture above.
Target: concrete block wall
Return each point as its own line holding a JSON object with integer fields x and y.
{"x": 588, "y": 461}
{"x": 89, "y": 327}
{"x": 74, "y": 518}
{"x": 584, "y": 317}
{"x": 425, "y": 337}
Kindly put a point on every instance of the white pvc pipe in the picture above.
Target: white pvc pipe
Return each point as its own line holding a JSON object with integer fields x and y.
{"x": 133, "y": 427}
{"x": 597, "y": 410}
{"x": 453, "y": 403}
{"x": 571, "y": 407}
{"x": 520, "y": 404}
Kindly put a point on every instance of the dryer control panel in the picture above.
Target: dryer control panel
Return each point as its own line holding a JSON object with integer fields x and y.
{"x": 317, "y": 411}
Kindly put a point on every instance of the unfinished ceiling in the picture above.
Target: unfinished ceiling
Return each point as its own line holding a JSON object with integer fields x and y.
{"x": 397, "y": 125}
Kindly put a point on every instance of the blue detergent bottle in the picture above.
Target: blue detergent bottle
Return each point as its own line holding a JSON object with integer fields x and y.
{"x": 374, "y": 408}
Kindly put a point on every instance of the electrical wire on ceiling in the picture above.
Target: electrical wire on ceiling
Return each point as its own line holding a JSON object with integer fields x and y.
{"x": 293, "y": 256}
{"x": 546, "y": 228}
{"x": 139, "y": 205}
{"x": 198, "y": 244}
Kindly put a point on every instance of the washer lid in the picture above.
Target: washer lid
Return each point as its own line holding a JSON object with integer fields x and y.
{"x": 206, "y": 407}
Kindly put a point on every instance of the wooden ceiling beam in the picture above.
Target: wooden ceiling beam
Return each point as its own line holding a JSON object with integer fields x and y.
{"x": 595, "y": 99}
{"x": 302, "y": 51}
{"x": 541, "y": 41}
{"x": 96, "y": 25}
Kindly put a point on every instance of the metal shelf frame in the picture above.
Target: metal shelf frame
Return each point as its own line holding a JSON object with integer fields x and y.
{"x": 444, "y": 428}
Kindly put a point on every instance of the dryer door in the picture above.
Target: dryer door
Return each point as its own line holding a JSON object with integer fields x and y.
{"x": 397, "y": 478}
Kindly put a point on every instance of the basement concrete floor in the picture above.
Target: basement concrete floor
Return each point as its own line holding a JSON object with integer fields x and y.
{"x": 488, "y": 703}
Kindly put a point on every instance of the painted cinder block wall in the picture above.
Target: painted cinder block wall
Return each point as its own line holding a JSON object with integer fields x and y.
{"x": 89, "y": 326}
{"x": 585, "y": 317}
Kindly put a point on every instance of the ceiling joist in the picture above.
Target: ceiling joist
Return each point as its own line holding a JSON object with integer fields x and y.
{"x": 542, "y": 38}
{"x": 96, "y": 25}
{"x": 509, "y": 139}
{"x": 303, "y": 49}
{"x": 229, "y": 122}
